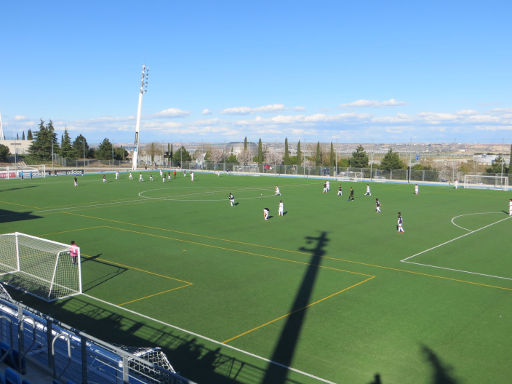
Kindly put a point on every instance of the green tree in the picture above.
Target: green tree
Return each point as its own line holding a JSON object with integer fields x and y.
{"x": 332, "y": 156}
{"x": 120, "y": 153}
{"x": 299, "y": 154}
{"x": 510, "y": 166}
{"x": 231, "y": 159}
{"x": 66, "y": 149}
{"x": 318, "y": 155}
{"x": 260, "y": 157}
{"x": 497, "y": 166}
{"x": 23, "y": 135}
{"x": 104, "y": 151}
{"x": 391, "y": 161}
{"x": 181, "y": 155}
{"x": 81, "y": 147}
{"x": 286, "y": 157}
{"x": 29, "y": 135}
{"x": 45, "y": 143}
{"x": 245, "y": 143}
{"x": 359, "y": 158}
{"x": 4, "y": 152}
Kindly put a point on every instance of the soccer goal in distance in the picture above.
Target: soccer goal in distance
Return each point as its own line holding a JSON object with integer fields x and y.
{"x": 349, "y": 176}
{"x": 39, "y": 267}
{"x": 487, "y": 182}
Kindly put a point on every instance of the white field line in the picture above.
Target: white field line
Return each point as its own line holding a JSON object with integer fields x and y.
{"x": 450, "y": 241}
{"x": 212, "y": 340}
{"x": 469, "y": 214}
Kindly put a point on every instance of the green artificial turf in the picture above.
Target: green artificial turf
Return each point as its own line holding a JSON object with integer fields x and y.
{"x": 321, "y": 290}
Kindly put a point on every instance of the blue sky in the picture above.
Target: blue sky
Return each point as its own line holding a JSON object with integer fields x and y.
{"x": 358, "y": 71}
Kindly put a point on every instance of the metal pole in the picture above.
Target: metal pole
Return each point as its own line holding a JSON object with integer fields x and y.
{"x": 52, "y": 155}
{"x": 143, "y": 89}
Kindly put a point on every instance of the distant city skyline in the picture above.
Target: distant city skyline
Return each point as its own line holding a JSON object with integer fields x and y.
{"x": 346, "y": 72}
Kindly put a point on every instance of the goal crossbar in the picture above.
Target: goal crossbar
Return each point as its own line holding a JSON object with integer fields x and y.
{"x": 40, "y": 267}
{"x": 486, "y": 182}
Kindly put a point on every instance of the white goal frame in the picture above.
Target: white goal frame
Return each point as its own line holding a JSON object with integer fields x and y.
{"x": 40, "y": 267}
{"x": 486, "y": 182}
{"x": 349, "y": 176}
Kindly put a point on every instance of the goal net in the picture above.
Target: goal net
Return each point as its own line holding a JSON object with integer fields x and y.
{"x": 40, "y": 267}
{"x": 487, "y": 182}
{"x": 349, "y": 176}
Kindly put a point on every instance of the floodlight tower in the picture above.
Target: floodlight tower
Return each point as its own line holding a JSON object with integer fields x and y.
{"x": 143, "y": 89}
{"x": 2, "y": 137}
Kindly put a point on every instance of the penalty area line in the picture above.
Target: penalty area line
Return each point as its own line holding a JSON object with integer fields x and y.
{"x": 211, "y": 340}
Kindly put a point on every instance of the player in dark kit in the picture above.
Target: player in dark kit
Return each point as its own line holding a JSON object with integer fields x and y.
{"x": 351, "y": 195}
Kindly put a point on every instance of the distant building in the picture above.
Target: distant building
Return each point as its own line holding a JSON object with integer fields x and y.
{"x": 18, "y": 147}
{"x": 238, "y": 147}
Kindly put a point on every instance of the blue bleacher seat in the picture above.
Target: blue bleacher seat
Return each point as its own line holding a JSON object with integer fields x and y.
{"x": 11, "y": 376}
{"x": 25, "y": 381}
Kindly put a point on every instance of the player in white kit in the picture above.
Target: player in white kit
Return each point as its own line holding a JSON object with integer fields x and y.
{"x": 281, "y": 208}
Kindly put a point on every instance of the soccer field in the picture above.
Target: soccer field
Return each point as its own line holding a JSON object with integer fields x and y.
{"x": 329, "y": 292}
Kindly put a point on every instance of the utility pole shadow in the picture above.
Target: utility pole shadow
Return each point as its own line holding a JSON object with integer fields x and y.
{"x": 277, "y": 369}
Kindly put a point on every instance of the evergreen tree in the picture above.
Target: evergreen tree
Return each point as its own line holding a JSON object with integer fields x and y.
{"x": 181, "y": 155}
{"x": 286, "y": 157}
{"x": 510, "y": 166}
{"x": 120, "y": 153}
{"x": 359, "y": 158}
{"x": 66, "y": 149}
{"x": 391, "y": 161}
{"x": 497, "y": 166}
{"x": 45, "y": 141}
{"x": 318, "y": 155}
{"x": 17, "y": 136}
{"x": 4, "y": 152}
{"x": 23, "y": 135}
{"x": 260, "y": 156}
{"x": 81, "y": 147}
{"x": 104, "y": 151}
{"x": 332, "y": 156}
{"x": 231, "y": 159}
{"x": 245, "y": 143}
{"x": 29, "y": 135}
{"x": 299, "y": 154}
{"x": 171, "y": 153}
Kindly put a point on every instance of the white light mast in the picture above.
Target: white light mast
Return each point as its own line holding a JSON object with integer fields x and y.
{"x": 143, "y": 89}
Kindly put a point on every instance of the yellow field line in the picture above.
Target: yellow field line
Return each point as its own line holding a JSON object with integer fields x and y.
{"x": 237, "y": 250}
{"x": 297, "y": 252}
{"x": 155, "y": 294}
{"x": 420, "y": 273}
{"x": 21, "y": 205}
{"x": 72, "y": 230}
{"x": 295, "y": 311}
{"x": 141, "y": 270}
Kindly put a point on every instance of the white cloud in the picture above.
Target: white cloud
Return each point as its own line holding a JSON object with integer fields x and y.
{"x": 364, "y": 103}
{"x": 206, "y": 111}
{"x": 270, "y": 108}
{"x": 20, "y": 118}
{"x": 172, "y": 112}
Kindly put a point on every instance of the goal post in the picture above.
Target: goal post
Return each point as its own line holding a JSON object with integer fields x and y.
{"x": 486, "y": 182}
{"x": 40, "y": 267}
{"x": 349, "y": 176}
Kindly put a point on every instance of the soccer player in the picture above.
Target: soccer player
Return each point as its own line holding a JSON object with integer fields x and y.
{"x": 161, "y": 173}
{"x": 510, "y": 207}
{"x": 140, "y": 177}
{"x": 266, "y": 212}
{"x": 73, "y": 251}
{"x": 328, "y": 185}
{"x": 231, "y": 199}
{"x": 456, "y": 184}
{"x": 117, "y": 175}
{"x": 174, "y": 173}
{"x": 281, "y": 208}
{"x": 416, "y": 189}
{"x": 169, "y": 175}
{"x": 191, "y": 176}
{"x": 150, "y": 177}
{"x": 130, "y": 176}
{"x": 368, "y": 192}
{"x": 399, "y": 224}
{"x": 377, "y": 206}
{"x": 75, "y": 181}
{"x": 325, "y": 187}
{"x": 104, "y": 178}
{"x": 277, "y": 192}
{"x": 340, "y": 191}
{"x": 351, "y": 194}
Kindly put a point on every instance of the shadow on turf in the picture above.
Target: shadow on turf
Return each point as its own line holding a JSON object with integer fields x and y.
{"x": 441, "y": 372}
{"x": 109, "y": 271}
{"x": 285, "y": 347}
{"x": 188, "y": 355}
{"x": 7, "y": 216}
{"x": 25, "y": 187}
